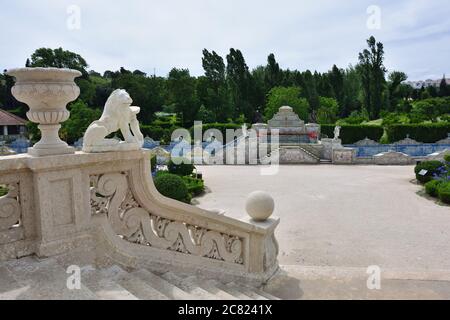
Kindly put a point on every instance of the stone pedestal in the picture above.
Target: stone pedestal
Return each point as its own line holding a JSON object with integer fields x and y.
{"x": 344, "y": 156}
{"x": 328, "y": 146}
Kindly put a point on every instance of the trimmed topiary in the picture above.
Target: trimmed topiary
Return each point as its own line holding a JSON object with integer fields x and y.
{"x": 432, "y": 168}
{"x": 184, "y": 168}
{"x": 172, "y": 186}
{"x": 432, "y": 188}
{"x": 444, "y": 192}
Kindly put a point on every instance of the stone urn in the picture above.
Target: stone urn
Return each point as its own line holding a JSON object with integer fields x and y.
{"x": 46, "y": 91}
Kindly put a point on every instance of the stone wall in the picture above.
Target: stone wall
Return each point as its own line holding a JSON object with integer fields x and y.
{"x": 107, "y": 206}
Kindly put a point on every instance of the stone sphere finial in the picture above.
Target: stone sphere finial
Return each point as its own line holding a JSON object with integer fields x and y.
{"x": 260, "y": 205}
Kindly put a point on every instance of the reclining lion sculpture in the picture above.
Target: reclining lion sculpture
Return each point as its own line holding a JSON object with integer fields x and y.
{"x": 117, "y": 115}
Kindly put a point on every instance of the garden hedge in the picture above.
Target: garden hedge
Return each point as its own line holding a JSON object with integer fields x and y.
{"x": 426, "y": 133}
{"x": 351, "y": 134}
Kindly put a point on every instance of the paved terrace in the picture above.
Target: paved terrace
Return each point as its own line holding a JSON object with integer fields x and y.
{"x": 342, "y": 216}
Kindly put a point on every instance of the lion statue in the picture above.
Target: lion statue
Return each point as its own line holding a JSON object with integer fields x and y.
{"x": 117, "y": 115}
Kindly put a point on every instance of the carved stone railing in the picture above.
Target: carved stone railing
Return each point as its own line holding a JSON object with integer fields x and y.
{"x": 16, "y": 222}
{"x": 106, "y": 206}
{"x": 11, "y": 214}
{"x": 111, "y": 195}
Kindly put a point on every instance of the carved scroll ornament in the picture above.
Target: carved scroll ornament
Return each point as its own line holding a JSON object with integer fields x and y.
{"x": 111, "y": 195}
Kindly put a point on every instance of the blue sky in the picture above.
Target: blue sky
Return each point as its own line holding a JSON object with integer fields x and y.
{"x": 158, "y": 35}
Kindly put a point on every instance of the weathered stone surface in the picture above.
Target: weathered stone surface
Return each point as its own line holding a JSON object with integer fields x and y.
{"x": 294, "y": 155}
{"x": 344, "y": 155}
{"x": 44, "y": 280}
{"x": 407, "y": 141}
{"x": 439, "y": 156}
{"x": 328, "y": 146}
{"x": 366, "y": 142}
{"x": 393, "y": 158}
{"x": 287, "y": 118}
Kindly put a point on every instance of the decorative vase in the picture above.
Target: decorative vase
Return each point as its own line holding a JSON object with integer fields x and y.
{"x": 46, "y": 91}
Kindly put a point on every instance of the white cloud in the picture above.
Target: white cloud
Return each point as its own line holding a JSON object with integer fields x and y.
{"x": 139, "y": 34}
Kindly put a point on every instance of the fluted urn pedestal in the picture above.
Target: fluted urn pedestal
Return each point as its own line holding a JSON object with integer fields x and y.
{"x": 47, "y": 91}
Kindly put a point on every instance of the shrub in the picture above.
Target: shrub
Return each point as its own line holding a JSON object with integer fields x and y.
{"x": 444, "y": 192}
{"x": 183, "y": 169}
{"x": 172, "y": 186}
{"x": 426, "y": 133}
{"x": 195, "y": 186}
{"x": 447, "y": 158}
{"x": 432, "y": 188}
{"x": 432, "y": 168}
{"x": 353, "y": 133}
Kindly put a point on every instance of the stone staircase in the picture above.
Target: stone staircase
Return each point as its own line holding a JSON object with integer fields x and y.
{"x": 33, "y": 279}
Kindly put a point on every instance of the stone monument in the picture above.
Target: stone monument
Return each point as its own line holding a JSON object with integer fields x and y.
{"x": 117, "y": 115}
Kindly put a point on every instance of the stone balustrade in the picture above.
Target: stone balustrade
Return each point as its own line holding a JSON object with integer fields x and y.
{"x": 106, "y": 205}
{"x": 102, "y": 207}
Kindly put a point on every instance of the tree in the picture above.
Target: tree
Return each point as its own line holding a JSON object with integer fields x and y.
{"x": 372, "y": 72}
{"x": 239, "y": 84}
{"x": 58, "y": 58}
{"x": 205, "y": 115}
{"x": 286, "y": 96}
{"x": 212, "y": 88}
{"x": 444, "y": 88}
{"x": 396, "y": 78}
{"x": 310, "y": 92}
{"x": 80, "y": 118}
{"x": 182, "y": 92}
{"x": 328, "y": 111}
{"x": 273, "y": 73}
{"x": 336, "y": 77}
{"x": 146, "y": 92}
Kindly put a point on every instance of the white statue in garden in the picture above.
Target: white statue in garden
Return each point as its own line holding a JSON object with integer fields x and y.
{"x": 117, "y": 115}
{"x": 337, "y": 133}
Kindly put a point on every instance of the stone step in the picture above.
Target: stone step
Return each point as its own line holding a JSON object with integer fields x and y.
{"x": 162, "y": 285}
{"x": 247, "y": 291}
{"x": 230, "y": 290}
{"x": 142, "y": 290}
{"x": 10, "y": 289}
{"x": 263, "y": 293}
{"x": 102, "y": 283}
{"x": 189, "y": 286}
{"x": 211, "y": 288}
{"x": 44, "y": 280}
